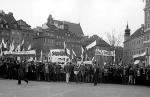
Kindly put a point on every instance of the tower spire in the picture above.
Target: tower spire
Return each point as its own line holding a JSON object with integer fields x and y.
{"x": 127, "y": 25}
{"x": 127, "y": 28}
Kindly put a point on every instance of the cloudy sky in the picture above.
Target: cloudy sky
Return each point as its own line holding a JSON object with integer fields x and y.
{"x": 95, "y": 16}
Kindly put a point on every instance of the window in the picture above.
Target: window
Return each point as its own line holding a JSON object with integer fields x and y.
{"x": 6, "y": 26}
{"x": 147, "y": 50}
{"x": 139, "y": 52}
{"x": 148, "y": 25}
{"x": 147, "y": 38}
{"x": 1, "y": 25}
{"x": 139, "y": 41}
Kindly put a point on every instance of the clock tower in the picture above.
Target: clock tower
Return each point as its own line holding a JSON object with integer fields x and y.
{"x": 147, "y": 15}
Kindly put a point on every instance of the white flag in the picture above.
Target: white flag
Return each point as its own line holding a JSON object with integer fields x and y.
{"x": 4, "y": 44}
{"x": 0, "y": 45}
{"x": 17, "y": 48}
{"x": 3, "y": 41}
{"x": 29, "y": 48}
{"x": 68, "y": 51}
{"x": 114, "y": 55}
{"x": 64, "y": 45}
{"x": 82, "y": 53}
{"x": 73, "y": 53}
{"x": 82, "y": 50}
{"x": 91, "y": 45}
{"x": 41, "y": 58}
{"x": 12, "y": 46}
{"x": 22, "y": 42}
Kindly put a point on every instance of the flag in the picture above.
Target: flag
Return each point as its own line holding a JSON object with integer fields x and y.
{"x": 3, "y": 41}
{"x": 68, "y": 51}
{"x": 72, "y": 57}
{"x": 12, "y": 46}
{"x": 1, "y": 54}
{"x": 22, "y": 42}
{"x": 73, "y": 53}
{"x": 93, "y": 58}
{"x": 64, "y": 45}
{"x": 3, "y": 45}
{"x": 49, "y": 56}
{"x": 0, "y": 45}
{"x": 29, "y": 47}
{"x": 41, "y": 57}
{"x": 22, "y": 45}
{"x": 114, "y": 55}
{"x": 91, "y": 45}
{"x": 82, "y": 50}
{"x": 17, "y": 48}
{"x": 82, "y": 53}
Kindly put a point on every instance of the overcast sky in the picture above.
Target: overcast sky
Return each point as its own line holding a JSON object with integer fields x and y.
{"x": 95, "y": 16}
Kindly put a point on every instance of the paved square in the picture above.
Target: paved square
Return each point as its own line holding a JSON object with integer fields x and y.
{"x": 9, "y": 88}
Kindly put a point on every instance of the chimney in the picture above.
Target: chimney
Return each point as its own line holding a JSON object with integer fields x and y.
{"x": 142, "y": 25}
{"x": 2, "y": 12}
{"x": 10, "y": 13}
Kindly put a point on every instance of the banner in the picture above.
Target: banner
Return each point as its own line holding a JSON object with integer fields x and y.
{"x": 57, "y": 52}
{"x": 32, "y": 52}
{"x": 58, "y": 56}
{"x": 104, "y": 52}
{"x": 91, "y": 45}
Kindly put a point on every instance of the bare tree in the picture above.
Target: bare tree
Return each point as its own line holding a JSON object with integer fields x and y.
{"x": 114, "y": 40}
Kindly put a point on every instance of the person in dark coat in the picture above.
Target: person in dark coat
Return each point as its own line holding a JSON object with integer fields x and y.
{"x": 21, "y": 74}
{"x": 96, "y": 72}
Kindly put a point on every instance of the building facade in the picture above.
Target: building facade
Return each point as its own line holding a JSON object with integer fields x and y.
{"x": 53, "y": 35}
{"x": 101, "y": 45}
{"x": 15, "y": 31}
{"x": 137, "y": 45}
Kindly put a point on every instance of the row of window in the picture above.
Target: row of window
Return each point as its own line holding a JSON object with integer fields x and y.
{"x": 147, "y": 1}
{"x": 4, "y": 26}
{"x": 134, "y": 43}
{"x": 135, "y": 52}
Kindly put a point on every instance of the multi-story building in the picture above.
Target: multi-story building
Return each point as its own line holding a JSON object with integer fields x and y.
{"x": 27, "y": 34}
{"x": 7, "y": 23}
{"x": 133, "y": 44}
{"x": 101, "y": 45}
{"x": 53, "y": 35}
{"x": 137, "y": 45}
{"x": 15, "y": 31}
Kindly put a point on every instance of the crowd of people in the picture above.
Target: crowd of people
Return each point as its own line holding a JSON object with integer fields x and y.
{"x": 11, "y": 68}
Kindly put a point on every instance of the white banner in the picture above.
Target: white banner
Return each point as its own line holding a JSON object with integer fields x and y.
{"x": 57, "y": 52}
{"x": 32, "y": 52}
{"x": 58, "y": 56}
{"x": 104, "y": 52}
{"x": 87, "y": 62}
{"x": 91, "y": 45}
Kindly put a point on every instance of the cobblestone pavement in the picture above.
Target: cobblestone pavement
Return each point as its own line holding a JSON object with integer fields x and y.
{"x": 9, "y": 88}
